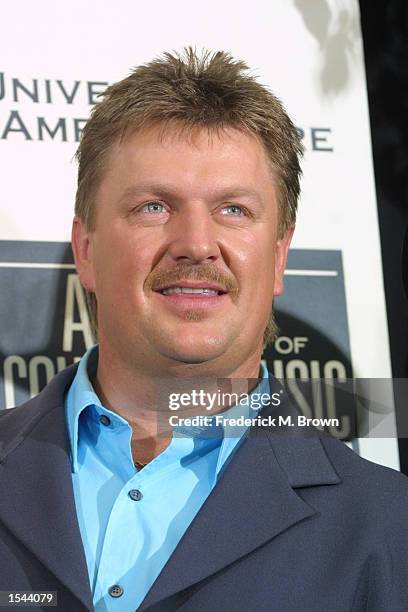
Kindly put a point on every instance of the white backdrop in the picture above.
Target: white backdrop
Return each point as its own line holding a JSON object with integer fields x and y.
{"x": 55, "y": 57}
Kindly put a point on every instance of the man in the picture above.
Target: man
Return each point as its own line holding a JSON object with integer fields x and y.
{"x": 186, "y": 203}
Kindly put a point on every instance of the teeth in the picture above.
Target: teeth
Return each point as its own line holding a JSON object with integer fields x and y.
{"x": 173, "y": 290}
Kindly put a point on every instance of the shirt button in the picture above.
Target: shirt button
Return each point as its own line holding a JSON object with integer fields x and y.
{"x": 104, "y": 420}
{"x": 135, "y": 494}
{"x": 115, "y": 591}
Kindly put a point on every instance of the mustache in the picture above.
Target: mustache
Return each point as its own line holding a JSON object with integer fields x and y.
{"x": 196, "y": 272}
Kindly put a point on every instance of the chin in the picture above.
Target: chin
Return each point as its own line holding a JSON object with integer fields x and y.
{"x": 194, "y": 349}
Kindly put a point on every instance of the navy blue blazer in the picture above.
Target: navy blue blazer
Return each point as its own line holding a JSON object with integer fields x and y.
{"x": 296, "y": 523}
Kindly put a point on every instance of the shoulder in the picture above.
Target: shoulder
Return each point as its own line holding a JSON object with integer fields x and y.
{"x": 373, "y": 507}
{"x": 375, "y": 487}
{"x": 16, "y": 423}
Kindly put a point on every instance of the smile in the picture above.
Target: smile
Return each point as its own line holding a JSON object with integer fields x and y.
{"x": 190, "y": 290}
{"x": 183, "y": 299}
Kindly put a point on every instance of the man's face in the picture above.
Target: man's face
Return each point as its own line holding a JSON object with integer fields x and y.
{"x": 177, "y": 215}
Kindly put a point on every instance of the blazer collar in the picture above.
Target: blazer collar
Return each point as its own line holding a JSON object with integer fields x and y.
{"x": 35, "y": 468}
{"x": 298, "y": 450}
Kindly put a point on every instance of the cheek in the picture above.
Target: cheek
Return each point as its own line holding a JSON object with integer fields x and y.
{"x": 255, "y": 260}
{"x": 115, "y": 263}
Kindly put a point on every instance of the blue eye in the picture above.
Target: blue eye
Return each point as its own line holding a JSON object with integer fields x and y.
{"x": 153, "y": 207}
{"x": 237, "y": 211}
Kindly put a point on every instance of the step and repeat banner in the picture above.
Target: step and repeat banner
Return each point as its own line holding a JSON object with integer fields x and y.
{"x": 53, "y": 65}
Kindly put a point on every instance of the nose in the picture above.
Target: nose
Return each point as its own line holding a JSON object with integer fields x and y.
{"x": 193, "y": 235}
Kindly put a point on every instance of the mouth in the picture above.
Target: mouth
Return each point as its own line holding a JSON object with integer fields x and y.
{"x": 191, "y": 296}
{"x": 191, "y": 291}
{"x": 198, "y": 288}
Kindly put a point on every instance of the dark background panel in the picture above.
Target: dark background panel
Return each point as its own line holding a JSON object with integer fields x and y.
{"x": 385, "y": 35}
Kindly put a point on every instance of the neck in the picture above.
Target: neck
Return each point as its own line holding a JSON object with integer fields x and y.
{"x": 141, "y": 396}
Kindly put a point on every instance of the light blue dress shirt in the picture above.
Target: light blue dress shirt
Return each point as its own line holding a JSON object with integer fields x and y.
{"x": 131, "y": 521}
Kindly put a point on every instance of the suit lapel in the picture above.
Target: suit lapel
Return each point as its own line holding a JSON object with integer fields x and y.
{"x": 35, "y": 472}
{"x": 253, "y": 502}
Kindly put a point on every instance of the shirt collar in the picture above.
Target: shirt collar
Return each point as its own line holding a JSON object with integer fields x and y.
{"x": 233, "y": 435}
{"x": 80, "y": 396}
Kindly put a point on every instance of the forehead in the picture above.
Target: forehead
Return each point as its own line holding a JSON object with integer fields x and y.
{"x": 191, "y": 158}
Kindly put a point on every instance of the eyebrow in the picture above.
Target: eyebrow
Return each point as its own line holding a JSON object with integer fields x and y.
{"x": 164, "y": 191}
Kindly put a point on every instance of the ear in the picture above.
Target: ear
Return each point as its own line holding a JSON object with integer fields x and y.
{"x": 82, "y": 249}
{"x": 281, "y": 255}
